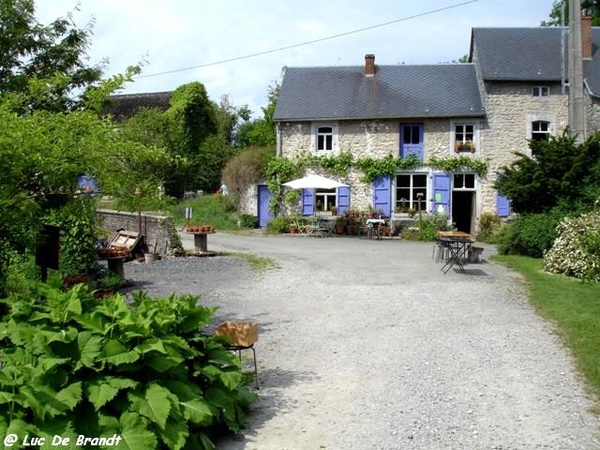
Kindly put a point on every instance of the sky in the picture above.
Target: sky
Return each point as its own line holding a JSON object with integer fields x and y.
{"x": 239, "y": 48}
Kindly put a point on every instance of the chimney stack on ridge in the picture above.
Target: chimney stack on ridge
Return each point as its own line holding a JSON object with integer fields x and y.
{"x": 369, "y": 65}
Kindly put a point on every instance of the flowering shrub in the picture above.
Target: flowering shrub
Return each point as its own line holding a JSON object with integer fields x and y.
{"x": 576, "y": 251}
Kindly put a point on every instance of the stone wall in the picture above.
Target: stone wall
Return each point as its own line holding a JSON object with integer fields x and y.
{"x": 159, "y": 232}
{"x": 510, "y": 110}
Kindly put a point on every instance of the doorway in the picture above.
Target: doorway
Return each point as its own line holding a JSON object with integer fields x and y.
{"x": 462, "y": 209}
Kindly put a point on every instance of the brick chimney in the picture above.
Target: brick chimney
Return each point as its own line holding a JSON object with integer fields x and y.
{"x": 369, "y": 65}
{"x": 586, "y": 37}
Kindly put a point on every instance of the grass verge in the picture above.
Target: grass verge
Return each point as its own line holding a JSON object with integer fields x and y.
{"x": 259, "y": 264}
{"x": 574, "y": 306}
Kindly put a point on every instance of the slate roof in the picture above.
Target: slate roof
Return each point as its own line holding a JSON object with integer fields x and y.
{"x": 125, "y": 106}
{"x": 401, "y": 91}
{"x": 529, "y": 54}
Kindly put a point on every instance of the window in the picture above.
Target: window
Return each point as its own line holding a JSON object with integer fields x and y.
{"x": 325, "y": 199}
{"x": 408, "y": 188}
{"x": 464, "y": 181}
{"x": 541, "y": 91}
{"x": 464, "y": 137}
{"x": 540, "y": 130}
{"x": 324, "y": 138}
{"x": 411, "y": 134}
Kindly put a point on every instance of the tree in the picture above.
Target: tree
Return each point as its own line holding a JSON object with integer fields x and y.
{"x": 589, "y": 7}
{"x": 261, "y": 132}
{"x": 558, "y": 173}
{"x": 56, "y": 51}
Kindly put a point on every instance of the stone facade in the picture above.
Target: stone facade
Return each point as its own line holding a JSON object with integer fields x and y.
{"x": 510, "y": 108}
{"x": 159, "y": 232}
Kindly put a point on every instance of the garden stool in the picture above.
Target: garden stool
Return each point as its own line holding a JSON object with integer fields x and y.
{"x": 240, "y": 336}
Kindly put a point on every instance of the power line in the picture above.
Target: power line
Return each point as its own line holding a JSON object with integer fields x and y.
{"x": 288, "y": 47}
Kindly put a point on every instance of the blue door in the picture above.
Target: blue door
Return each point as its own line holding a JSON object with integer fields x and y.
{"x": 382, "y": 195}
{"x": 441, "y": 192}
{"x": 264, "y": 200}
{"x": 411, "y": 140}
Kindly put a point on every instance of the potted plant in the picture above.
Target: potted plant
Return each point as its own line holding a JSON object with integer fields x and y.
{"x": 467, "y": 146}
{"x": 340, "y": 225}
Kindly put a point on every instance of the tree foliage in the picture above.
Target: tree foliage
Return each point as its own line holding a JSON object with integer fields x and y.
{"x": 558, "y": 173}
{"x": 56, "y": 51}
{"x": 589, "y": 7}
{"x": 261, "y": 132}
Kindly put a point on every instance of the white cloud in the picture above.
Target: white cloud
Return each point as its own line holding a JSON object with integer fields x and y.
{"x": 187, "y": 33}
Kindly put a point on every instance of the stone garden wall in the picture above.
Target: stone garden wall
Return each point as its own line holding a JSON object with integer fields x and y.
{"x": 160, "y": 234}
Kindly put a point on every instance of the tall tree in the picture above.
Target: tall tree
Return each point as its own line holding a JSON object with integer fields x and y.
{"x": 589, "y": 7}
{"x": 261, "y": 132}
{"x": 29, "y": 50}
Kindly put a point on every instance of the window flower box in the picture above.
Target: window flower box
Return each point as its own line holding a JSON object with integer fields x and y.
{"x": 462, "y": 147}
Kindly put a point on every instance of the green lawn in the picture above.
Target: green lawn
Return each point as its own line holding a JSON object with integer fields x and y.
{"x": 574, "y": 306}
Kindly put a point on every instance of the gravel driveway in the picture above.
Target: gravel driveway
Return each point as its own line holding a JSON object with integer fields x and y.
{"x": 368, "y": 345}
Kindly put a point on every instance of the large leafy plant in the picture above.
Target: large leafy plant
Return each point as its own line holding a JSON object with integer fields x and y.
{"x": 73, "y": 365}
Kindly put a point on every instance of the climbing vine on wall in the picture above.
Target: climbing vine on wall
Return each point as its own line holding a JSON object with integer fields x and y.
{"x": 281, "y": 169}
{"x": 459, "y": 164}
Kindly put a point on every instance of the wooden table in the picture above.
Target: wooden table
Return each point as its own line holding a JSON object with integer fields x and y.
{"x": 457, "y": 243}
{"x": 201, "y": 243}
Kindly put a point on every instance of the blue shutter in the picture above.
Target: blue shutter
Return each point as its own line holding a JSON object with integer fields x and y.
{"x": 382, "y": 197}
{"x": 343, "y": 199}
{"x": 441, "y": 192}
{"x": 308, "y": 202}
{"x": 411, "y": 141}
{"x": 502, "y": 205}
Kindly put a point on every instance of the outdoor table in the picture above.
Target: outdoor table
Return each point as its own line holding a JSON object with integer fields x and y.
{"x": 201, "y": 243}
{"x": 373, "y": 227}
{"x": 457, "y": 247}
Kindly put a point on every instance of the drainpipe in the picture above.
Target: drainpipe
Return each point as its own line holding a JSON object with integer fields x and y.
{"x": 576, "y": 100}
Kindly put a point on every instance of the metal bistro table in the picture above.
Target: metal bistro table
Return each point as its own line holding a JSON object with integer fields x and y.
{"x": 457, "y": 243}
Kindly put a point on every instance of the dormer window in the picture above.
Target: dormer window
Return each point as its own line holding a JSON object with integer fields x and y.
{"x": 541, "y": 91}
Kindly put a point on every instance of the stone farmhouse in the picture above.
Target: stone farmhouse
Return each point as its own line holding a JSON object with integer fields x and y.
{"x": 513, "y": 89}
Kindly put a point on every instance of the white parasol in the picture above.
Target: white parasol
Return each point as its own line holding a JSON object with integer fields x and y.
{"x": 314, "y": 182}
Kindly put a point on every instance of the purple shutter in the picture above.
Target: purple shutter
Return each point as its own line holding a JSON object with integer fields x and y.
{"x": 382, "y": 197}
{"x": 441, "y": 192}
{"x": 502, "y": 206}
{"x": 343, "y": 199}
{"x": 308, "y": 202}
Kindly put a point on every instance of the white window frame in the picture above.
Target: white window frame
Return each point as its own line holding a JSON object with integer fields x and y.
{"x": 411, "y": 203}
{"x": 455, "y": 144}
{"x": 315, "y": 134}
{"x": 541, "y": 91}
{"x": 530, "y": 119}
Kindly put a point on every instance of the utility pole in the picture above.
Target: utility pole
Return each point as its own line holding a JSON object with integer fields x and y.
{"x": 576, "y": 100}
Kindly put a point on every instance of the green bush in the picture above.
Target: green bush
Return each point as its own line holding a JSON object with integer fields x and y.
{"x": 529, "y": 235}
{"x": 489, "y": 225}
{"x": 428, "y": 225}
{"x": 74, "y": 365}
{"x": 576, "y": 251}
{"x": 278, "y": 225}
{"x": 248, "y": 221}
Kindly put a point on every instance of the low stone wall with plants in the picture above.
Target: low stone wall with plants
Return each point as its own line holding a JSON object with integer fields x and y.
{"x": 160, "y": 234}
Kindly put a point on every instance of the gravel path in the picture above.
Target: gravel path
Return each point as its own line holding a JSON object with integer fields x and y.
{"x": 368, "y": 345}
